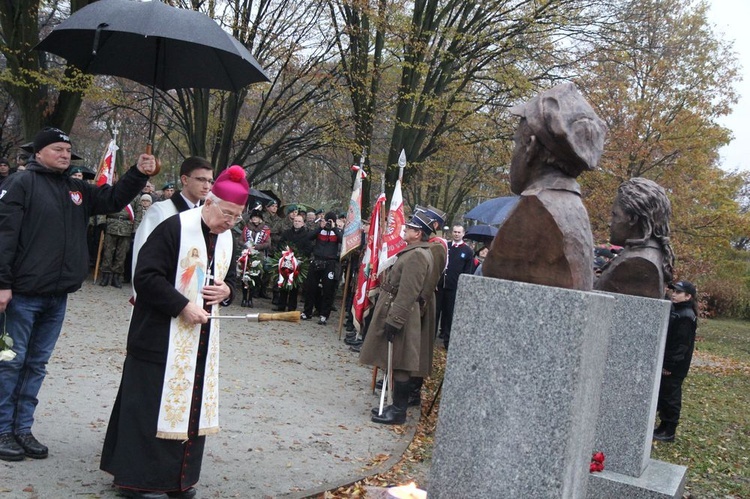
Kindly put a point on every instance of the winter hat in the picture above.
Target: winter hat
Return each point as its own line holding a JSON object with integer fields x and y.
{"x": 232, "y": 186}
{"x": 49, "y": 135}
{"x": 147, "y": 197}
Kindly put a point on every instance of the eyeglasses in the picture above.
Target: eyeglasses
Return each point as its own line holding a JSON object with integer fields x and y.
{"x": 229, "y": 217}
{"x": 203, "y": 180}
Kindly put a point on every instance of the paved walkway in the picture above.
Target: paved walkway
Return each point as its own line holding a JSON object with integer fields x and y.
{"x": 294, "y": 409}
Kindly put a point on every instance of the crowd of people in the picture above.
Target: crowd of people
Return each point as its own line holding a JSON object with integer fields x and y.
{"x": 188, "y": 251}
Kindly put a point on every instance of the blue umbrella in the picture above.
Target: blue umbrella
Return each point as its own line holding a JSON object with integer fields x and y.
{"x": 494, "y": 211}
{"x": 482, "y": 233}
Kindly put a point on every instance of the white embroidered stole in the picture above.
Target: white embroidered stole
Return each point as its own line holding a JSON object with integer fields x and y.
{"x": 177, "y": 392}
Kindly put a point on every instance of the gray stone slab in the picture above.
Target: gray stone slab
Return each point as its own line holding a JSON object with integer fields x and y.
{"x": 521, "y": 391}
{"x": 659, "y": 480}
{"x": 630, "y": 386}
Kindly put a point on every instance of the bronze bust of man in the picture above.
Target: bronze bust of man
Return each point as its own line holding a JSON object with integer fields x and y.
{"x": 640, "y": 223}
{"x": 547, "y": 237}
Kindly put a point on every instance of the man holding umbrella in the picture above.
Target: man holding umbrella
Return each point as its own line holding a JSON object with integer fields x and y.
{"x": 44, "y": 214}
{"x": 400, "y": 336}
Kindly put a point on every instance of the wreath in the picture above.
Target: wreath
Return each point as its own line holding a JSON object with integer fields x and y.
{"x": 250, "y": 267}
{"x": 290, "y": 271}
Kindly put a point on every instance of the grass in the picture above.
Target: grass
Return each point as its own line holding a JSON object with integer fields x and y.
{"x": 713, "y": 439}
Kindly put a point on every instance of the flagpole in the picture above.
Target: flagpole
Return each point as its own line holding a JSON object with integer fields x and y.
{"x": 345, "y": 296}
{"x": 401, "y": 165}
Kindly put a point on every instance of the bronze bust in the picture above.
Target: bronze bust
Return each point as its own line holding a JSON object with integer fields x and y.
{"x": 640, "y": 223}
{"x": 547, "y": 238}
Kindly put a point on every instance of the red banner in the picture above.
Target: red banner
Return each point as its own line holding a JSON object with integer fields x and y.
{"x": 367, "y": 277}
{"x": 393, "y": 237}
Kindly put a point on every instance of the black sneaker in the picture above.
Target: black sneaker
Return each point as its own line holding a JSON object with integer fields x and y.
{"x": 304, "y": 316}
{"x": 9, "y": 448}
{"x": 323, "y": 321}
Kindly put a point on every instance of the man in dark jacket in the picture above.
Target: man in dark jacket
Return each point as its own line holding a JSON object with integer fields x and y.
{"x": 4, "y": 170}
{"x": 678, "y": 353}
{"x": 322, "y": 271}
{"x": 43, "y": 257}
{"x": 460, "y": 261}
{"x": 298, "y": 241}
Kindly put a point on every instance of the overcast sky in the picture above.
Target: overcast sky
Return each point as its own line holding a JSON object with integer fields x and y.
{"x": 732, "y": 17}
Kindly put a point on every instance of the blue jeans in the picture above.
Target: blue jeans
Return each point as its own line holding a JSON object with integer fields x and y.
{"x": 34, "y": 323}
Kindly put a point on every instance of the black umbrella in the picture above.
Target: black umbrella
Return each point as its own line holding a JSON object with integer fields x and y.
{"x": 256, "y": 198}
{"x": 153, "y": 44}
{"x": 482, "y": 233}
{"x": 494, "y": 211}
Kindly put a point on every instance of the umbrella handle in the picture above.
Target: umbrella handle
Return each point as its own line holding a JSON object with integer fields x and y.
{"x": 158, "y": 163}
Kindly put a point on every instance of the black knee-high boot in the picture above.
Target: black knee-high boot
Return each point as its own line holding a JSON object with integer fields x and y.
{"x": 415, "y": 392}
{"x": 396, "y": 413}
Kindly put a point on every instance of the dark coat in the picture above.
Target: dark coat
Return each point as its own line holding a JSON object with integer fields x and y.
{"x": 460, "y": 261}
{"x": 678, "y": 351}
{"x": 43, "y": 219}
{"x": 411, "y": 281}
{"x": 298, "y": 239}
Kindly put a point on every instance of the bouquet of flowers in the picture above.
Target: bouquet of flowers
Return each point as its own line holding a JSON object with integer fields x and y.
{"x": 6, "y": 345}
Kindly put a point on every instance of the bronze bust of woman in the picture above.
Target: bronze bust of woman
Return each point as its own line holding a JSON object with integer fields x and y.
{"x": 640, "y": 223}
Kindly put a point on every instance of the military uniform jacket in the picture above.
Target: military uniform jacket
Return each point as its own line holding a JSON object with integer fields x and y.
{"x": 407, "y": 301}
{"x": 119, "y": 224}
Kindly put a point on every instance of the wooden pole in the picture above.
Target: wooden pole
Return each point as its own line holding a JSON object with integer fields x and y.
{"x": 99, "y": 254}
{"x": 343, "y": 298}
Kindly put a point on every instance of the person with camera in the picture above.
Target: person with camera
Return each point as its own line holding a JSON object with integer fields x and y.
{"x": 320, "y": 286}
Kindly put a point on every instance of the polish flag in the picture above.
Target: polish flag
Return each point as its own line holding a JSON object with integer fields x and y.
{"x": 106, "y": 172}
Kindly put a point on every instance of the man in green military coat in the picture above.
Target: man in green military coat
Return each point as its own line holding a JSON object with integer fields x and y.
{"x": 405, "y": 316}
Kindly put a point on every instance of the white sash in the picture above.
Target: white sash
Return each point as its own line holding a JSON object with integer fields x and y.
{"x": 179, "y": 375}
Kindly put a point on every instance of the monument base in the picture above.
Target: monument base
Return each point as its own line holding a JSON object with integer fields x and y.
{"x": 521, "y": 391}
{"x": 659, "y": 480}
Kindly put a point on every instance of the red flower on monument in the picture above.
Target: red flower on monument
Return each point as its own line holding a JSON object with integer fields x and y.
{"x": 597, "y": 462}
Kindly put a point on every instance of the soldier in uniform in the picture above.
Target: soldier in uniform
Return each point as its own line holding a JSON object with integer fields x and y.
{"x": 167, "y": 191}
{"x": 117, "y": 239}
{"x": 405, "y": 316}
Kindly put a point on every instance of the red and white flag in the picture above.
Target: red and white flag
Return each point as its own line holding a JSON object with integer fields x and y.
{"x": 367, "y": 277}
{"x": 353, "y": 228}
{"x": 393, "y": 237}
{"x": 130, "y": 212}
{"x": 106, "y": 171}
